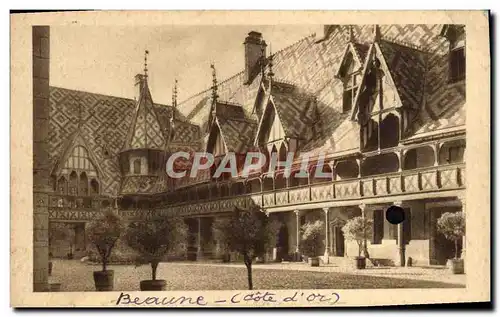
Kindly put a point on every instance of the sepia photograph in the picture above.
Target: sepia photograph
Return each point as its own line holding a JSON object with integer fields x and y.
{"x": 251, "y": 157}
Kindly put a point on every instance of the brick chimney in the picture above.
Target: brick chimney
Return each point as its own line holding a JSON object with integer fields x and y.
{"x": 253, "y": 52}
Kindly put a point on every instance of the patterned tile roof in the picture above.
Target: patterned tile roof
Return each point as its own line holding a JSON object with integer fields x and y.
{"x": 239, "y": 134}
{"x": 417, "y": 59}
{"x": 296, "y": 109}
{"x": 105, "y": 122}
{"x": 146, "y": 130}
{"x": 407, "y": 68}
{"x": 310, "y": 65}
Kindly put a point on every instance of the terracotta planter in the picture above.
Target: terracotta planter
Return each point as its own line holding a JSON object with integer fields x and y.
{"x": 313, "y": 261}
{"x": 104, "y": 280}
{"x": 360, "y": 262}
{"x": 456, "y": 266}
{"x": 153, "y": 285}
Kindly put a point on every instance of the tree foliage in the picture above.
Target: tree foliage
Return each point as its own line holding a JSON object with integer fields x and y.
{"x": 248, "y": 232}
{"x": 103, "y": 232}
{"x": 452, "y": 226}
{"x": 358, "y": 229}
{"x": 312, "y": 238}
{"x": 152, "y": 240}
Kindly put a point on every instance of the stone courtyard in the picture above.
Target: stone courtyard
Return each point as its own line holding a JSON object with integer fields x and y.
{"x": 77, "y": 276}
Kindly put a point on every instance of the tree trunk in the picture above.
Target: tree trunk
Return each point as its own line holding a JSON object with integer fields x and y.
{"x": 456, "y": 248}
{"x": 104, "y": 264}
{"x": 154, "y": 267}
{"x": 248, "y": 264}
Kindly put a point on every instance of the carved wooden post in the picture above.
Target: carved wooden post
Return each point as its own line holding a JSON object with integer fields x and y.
{"x": 199, "y": 251}
{"x": 327, "y": 237}
{"x": 401, "y": 242}
{"x": 365, "y": 242}
{"x": 298, "y": 256}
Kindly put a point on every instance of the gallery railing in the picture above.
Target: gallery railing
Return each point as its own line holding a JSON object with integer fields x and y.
{"x": 421, "y": 180}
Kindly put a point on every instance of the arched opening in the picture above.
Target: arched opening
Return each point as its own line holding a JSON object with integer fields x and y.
{"x": 137, "y": 166}
{"x": 452, "y": 152}
{"x": 84, "y": 184}
{"x": 298, "y": 179}
{"x": 272, "y": 153}
{"x": 267, "y": 183}
{"x": 62, "y": 186}
{"x": 94, "y": 187}
{"x": 380, "y": 164}
{"x": 369, "y": 133}
{"x": 202, "y": 192}
{"x": 389, "y": 131}
{"x": 347, "y": 169}
{"x": 224, "y": 190}
{"x": 73, "y": 183}
{"x": 317, "y": 173}
{"x": 418, "y": 157}
{"x": 280, "y": 181}
{"x": 53, "y": 183}
{"x": 237, "y": 188}
{"x": 282, "y": 154}
{"x": 253, "y": 186}
{"x": 214, "y": 190}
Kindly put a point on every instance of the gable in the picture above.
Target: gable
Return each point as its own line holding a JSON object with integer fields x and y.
{"x": 215, "y": 142}
{"x": 351, "y": 61}
{"x": 377, "y": 90}
{"x": 270, "y": 127}
{"x": 77, "y": 157}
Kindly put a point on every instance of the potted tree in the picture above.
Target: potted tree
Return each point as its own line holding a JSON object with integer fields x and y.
{"x": 103, "y": 232}
{"x": 152, "y": 241}
{"x": 452, "y": 226}
{"x": 312, "y": 241}
{"x": 358, "y": 229}
{"x": 219, "y": 233}
{"x": 247, "y": 233}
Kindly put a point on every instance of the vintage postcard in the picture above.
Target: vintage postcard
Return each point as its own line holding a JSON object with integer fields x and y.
{"x": 202, "y": 159}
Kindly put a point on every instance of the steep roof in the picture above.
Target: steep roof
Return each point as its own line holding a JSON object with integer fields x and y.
{"x": 146, "y": 130}
{"x": 310, "y": 65}
{"x": 105, "y": 122}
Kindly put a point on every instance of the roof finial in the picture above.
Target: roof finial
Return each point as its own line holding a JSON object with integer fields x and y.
{"x": 214, "y": 83}
{"x": 271, "y": 57}
{"x": 376, "y": 33}
{"x": 262, "y": 60}
{"x": 351, "y": 34}
{"x": 174, "y": 99}
{"x": 146, "y": 52}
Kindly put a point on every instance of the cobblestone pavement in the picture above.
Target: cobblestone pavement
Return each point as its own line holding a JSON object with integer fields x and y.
{"x": 77, "y": 276}
{"x": 427, "y": 273}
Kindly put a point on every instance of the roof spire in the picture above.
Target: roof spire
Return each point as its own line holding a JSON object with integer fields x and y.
{"x": 271, "y": 57}
{"x": 146, "y": 52}
{"x": 376, "y": 33}
{"x": 214, "y": 83}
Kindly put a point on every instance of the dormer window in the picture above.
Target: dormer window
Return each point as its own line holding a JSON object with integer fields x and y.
{"x": 457, "y": 64}
{"x": 351, "y": 83}
{"x": 456, "y": 58}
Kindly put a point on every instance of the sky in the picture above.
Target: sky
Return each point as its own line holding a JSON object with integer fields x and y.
{"x": 105, "y": 59}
